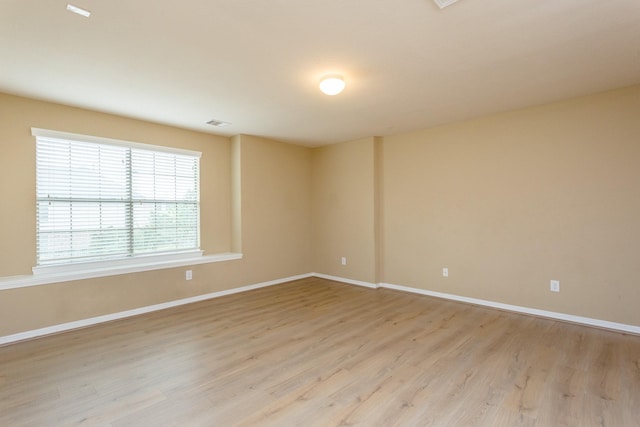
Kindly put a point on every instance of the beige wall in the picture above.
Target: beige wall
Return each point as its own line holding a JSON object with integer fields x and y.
{"x": 275, "y": 179}
{"x": 343, "y": 210}
{"x": 276, "y": 206}
{"x": 506, "y": 202}
{"x": 510, "y": 201}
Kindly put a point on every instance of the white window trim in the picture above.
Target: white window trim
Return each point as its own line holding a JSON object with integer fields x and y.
{"x": 100, "y": 140}
{"x": 117, "y": 265}
{"x": 66, "y": 273}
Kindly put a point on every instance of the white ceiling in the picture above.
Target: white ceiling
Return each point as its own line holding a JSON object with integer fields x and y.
{"x": 256, "y": 63}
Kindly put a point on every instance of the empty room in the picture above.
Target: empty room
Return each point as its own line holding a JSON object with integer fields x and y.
{"x": 342, "y": 213}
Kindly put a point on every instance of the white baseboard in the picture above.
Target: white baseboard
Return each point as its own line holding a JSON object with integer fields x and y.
{"x": 603, "y": 324}
{"x": 621, "y": 327}
{"x": 7, "y": 339}
{"x": 343, "y": 280}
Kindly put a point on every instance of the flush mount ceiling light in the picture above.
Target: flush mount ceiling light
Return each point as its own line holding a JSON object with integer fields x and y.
{"x": 332, "y": 84}
{"x": 444, "y": 3}
{"x": 78, "y": 10}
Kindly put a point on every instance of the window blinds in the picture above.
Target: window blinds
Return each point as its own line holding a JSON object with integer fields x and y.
{"x": 98, "y": 201}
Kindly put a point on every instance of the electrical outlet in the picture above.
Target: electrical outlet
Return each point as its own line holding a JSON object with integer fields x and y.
{"x": 188, "y": 275}
{"x": 554, "y": 286}
{"x": 445, "y": 272}
{"x": 344, "y": 260}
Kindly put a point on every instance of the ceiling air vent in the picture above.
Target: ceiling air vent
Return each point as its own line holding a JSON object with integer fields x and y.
{"x": 217, "y": 123}
{"x": 444, "y": 3}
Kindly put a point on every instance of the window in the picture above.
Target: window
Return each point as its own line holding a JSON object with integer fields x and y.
{"x": 100, "y": 199}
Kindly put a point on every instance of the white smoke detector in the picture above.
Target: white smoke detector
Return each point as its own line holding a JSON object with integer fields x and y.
{"x": 444, "y": 3}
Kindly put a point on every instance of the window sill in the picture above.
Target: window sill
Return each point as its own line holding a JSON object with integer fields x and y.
{"x": 97, "y": 270}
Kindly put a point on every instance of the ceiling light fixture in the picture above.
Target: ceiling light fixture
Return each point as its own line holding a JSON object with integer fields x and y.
{"x": 332, "y": 84}
{"x": 78, "y": 10}
{"x": 444, "y": 3}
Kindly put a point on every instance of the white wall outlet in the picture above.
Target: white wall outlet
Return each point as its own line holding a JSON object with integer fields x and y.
{"x": 554, "y": 286}
{"x": 188, "y": 275}
{"x": 344, "y": 260}
{"x": 445, "y": 272}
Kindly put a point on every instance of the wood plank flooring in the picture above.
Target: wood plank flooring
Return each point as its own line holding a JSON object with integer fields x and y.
{"x": 320, "y": 353}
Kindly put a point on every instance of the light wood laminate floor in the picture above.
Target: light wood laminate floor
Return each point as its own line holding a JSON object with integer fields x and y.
{"x": 320, "y": 353}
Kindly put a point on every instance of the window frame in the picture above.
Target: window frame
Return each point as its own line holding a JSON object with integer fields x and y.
{"x": 140, "y": 262}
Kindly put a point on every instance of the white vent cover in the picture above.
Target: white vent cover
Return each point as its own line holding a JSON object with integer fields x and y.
{"x": 444, "y": 3}
{"x": 217, "y": 123}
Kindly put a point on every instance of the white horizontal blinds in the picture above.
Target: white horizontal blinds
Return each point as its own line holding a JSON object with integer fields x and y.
{"x": 82, "y": 192}
{"x": 102, "y": 201}
{"x": 165, "y": 202}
